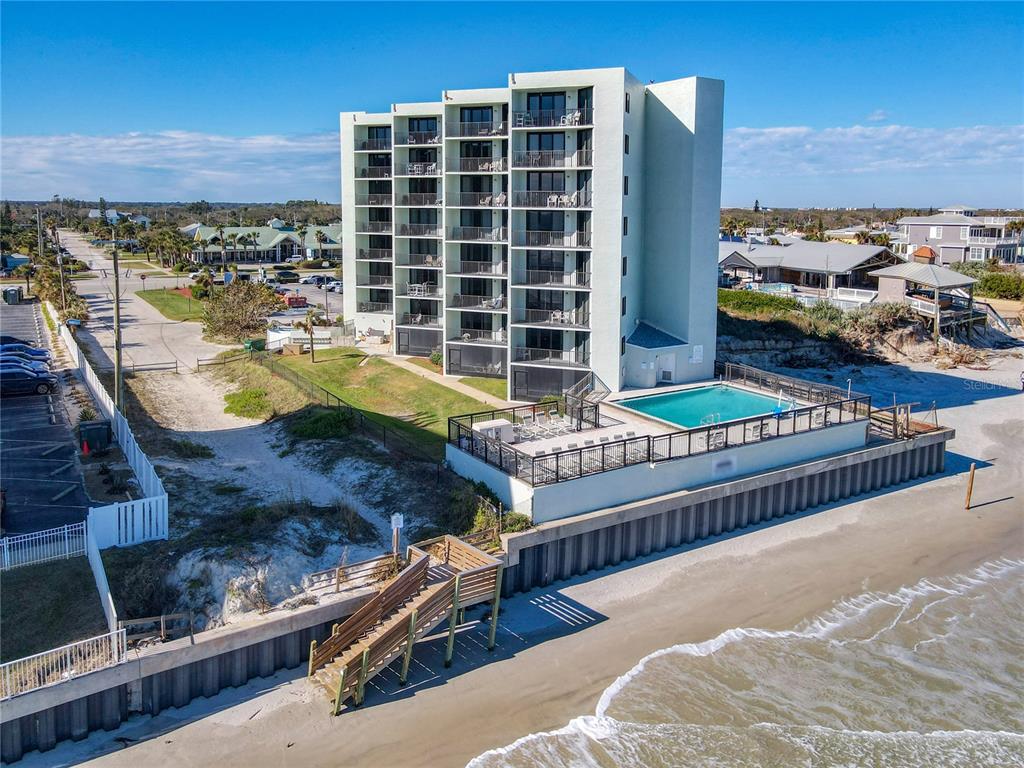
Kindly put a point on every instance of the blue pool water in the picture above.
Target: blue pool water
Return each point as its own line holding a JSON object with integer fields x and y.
{"x": 694, "y": 407}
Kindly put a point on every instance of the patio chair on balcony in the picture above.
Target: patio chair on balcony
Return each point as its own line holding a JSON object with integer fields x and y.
{"x": 717, "y": 439}
{"x": 552, "y": 201}
{"x": 500, "y": 199}
{"x": 754, "y": 431}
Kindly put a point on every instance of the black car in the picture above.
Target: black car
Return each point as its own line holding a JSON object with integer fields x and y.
{"x": 286, "y": 276}
{"x": 18, "y": 381}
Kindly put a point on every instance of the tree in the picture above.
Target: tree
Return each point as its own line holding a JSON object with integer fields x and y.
{"x": 309, "y": 324}
{"x": 254, "y": 236}
{"x": 103, "y": 211}
{"x": 233, "y": 239}
{"x": 223, "y": 243}
{"x": 757, "y": 206}
{"x": 25, "y": 270}
{"x": 1017, "y": 225}
{"x": 239, "y": 311}
{"x": 301, "y": 232}
{"x": 321, "y": 238}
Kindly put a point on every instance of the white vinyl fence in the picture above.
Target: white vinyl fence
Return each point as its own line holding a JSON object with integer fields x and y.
{"x": 42, "y": 546}
{"x": 99, "y": 573}
{"x": 60, "y": 664}
{"x": 129, "y": 522}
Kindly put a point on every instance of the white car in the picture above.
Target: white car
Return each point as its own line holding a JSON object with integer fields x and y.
{"x": 194, "y": 275}
{"x": 295, "y": 259}
{"x": 312, "y": 279}
{"x": 335, "y": 285}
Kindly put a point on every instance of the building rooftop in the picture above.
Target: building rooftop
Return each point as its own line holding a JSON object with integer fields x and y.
{"x": 649, "y": 337}
{"x": 807, "y": 256}
{"x": 931, "y": 275}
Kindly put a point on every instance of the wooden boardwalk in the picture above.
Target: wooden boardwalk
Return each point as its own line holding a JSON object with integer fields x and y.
{"x": 442, "y": 577}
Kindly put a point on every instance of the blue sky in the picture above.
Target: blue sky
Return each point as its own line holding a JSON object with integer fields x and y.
{"x": 826, "y": 103}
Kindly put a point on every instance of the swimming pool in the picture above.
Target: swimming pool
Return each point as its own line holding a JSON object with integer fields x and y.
{"x": 704, "y": 405}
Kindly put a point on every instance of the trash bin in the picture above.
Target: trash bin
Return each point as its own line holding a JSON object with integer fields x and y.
{"x": 12, "y": 295}
{"x": 255, "y": 345}
{"x": 97, "y": 433}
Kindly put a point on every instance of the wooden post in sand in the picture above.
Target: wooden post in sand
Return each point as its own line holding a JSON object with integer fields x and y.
{"x": 970, "y": 487}
{"x": 452, "y": 622}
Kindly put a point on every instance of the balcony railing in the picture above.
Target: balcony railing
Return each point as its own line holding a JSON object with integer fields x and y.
{"x": 373, "y": 254}
{"x": 421, "y": 320}
{"x": 574, "y": 318}
{"x": 467, "y": 301}
{"x": 375, "y": 199}
{"x": 418, "y": 169}
{"x": 375, "y": 281}
{"x": 983, "y": 240}
{"x": 546, "y": 239}
{"x": 420, "y": 230}
{"x": 478, "y": 199}
{"x": 421, "y": 290}
{"x": 495, "y": 370}
{"x": 371, "y": 145}
{"x": 478, "y": 164}
{"x": 552, "y": 158}
{"x": 548, "y": 118}
{"x": 375, "y": 172}
{"x": 488, "y": 234}
{"x": 484, "y": 129}
{"x": 421, "y": 260}
{"x": 373, "y": 227}
{"x": 415, "y": 199}
{"x": 551, "y": 199}
{"x": 418, "y": 138}
{"x": 375, "y": 307}
{"x": 572, "y": 358}
{"x": 484, "y": 268}
{"x": 479, "y": 336}
{"x": 542, "y": 277}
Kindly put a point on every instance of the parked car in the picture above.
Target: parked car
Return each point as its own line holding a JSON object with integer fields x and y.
{"x": 288, "y": 277}
{"x": 36, "y": 352}
{"x": 294, "y": 259}
{"x": 18, "y": 381}
{"x": 280, "y": 290}
{"x": 13, "y": 340}
{"x": 334, "y": 285}
{"x": 25, "y": 362}
{"x": 313, "y": 280}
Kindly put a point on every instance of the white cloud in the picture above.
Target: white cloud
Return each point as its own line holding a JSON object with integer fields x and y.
{"x": 878, "y": 116}
{"x": 790, "y": 165}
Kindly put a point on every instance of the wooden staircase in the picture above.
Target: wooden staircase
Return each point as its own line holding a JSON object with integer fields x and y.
{"x": 443, "y": 576}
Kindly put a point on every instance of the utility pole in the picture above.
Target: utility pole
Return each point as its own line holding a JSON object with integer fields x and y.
{"x": 118, "y": 373}
{"x": 39, "y": 233}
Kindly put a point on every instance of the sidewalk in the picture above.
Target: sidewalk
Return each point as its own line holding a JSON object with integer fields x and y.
{"x": 446, "y": 381}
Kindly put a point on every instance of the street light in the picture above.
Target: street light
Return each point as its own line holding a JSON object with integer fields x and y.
{"x": 327, "y": 303}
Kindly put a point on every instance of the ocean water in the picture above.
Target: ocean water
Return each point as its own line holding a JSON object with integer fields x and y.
{"x": 931, "y": 675}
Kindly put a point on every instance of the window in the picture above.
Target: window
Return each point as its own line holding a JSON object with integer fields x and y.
{"x": 546, "y": 102}
{"x": 625, "y": 185}
{"x": 546, "y": 142}
{"x": 623, "y": 266}
{"x": 625, "y": 143}
{"x": 622, "y": 345}
{"x": 545, "y": 221}
{"x": 964, "y": 231}
{"x": 627, "y": 103}
{"x": 475, "y": 115}
{"x": 625, "y": 225}
{"x": 936, "y": 232}
{"x": 545, "y": 181}
{"x": 422, "y": 124}
{"x": 977, "y": 254}
{"x": 623, "y": 306}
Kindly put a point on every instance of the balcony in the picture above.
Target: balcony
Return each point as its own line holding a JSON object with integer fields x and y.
{"x": 421, "y": 291}
{"x": 479, "y": 234}
{"x": 420, "y": 230}
{"x": 375, "y": 307}
{"x": 552, "y": 158}
{"x": 375, "y": 281}
{"x": 480, "y": 303}
{"x": 561, "y": 358}
{"x": 480, "y": 268}
{"x": 495, "y": 370}
{"x": 419, "y": 199}
{"x": 551, "y": 199}
{"x": 373, "y": 227}
{"x": 378, "y": 199}
{"x": 374, "y": 172}
{"x": 477, "y": 200}
{"x": 550, "y": 239}
{"x": 543, "y": 278}
{"x": 478, "y": 164}
{"x": 561, "y": 318}
{"x": 418, "y": 169}
{"x": 421, "y": 261}
{"x": 455, "y": 130}
{"x": 372, "y": 145}
{"x": 983, "y": 240}
{"x": 488, "y": 337}
{"x": 553, "y": 118}
{"x": 373, "y": 254}
{"x": 418, "y": 138}
{"x": 420, "y": 320}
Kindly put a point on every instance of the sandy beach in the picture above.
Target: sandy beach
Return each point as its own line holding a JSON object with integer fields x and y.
{"x": 562, "y": 646}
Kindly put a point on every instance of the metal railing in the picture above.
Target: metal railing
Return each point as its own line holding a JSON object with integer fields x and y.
{"x": 551, "y": 199}
{"x": 542, "y": 277}
{"x": 478, "y": 164}
{"x": 375, "y": 280}
{"x": 547, "y": 118}
{"x": 466, "y": 301}
{"x": 418, "y": 169}
{"x": 423, "y": 260}
{"x": 478, "y": 199}
{"x": 482, "y": 129}
{"x": 373, "y": 227}
{"x": 420, "y": 290}
{"x": 489, "y": 234}
{"x": 375, "y": 307}
{"x": 565, "y": 357}
{"x": 414, "y": 199}
{"x": 485, "y": 268}
{"x": 421, "y": 230}
{"x": 789, "y": 387}
{"x": 552, "y": 158}
{"x": 371, "y": 145}
{"x": 548, "y": 239}
{"x": 375, "y": 172}
{"x": 577, "y": 318}
{"x": 42, "y": 546}
{"x": 374, "y": 199}
{"x": 418, "y": 138}
{"x": 495, "y": 370}
{"x": 62, "y": 664}
{"x": 421, "y": 320}
{"x": 479, "y": 336}
{"x": 374, "y": 254}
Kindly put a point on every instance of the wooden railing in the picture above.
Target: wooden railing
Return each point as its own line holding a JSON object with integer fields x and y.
{"x": 348, "y": 576}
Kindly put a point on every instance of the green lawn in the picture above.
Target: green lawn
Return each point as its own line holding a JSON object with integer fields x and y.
{"x": 410, "y": 404}
{"x": 173, "y": 305}
{"x": 495, "y": 387}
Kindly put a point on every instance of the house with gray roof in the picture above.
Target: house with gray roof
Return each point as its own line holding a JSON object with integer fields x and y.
{"x": 264, "y": 244}
{"x": 806, "y": 264}
{"x": 957, "y": 234}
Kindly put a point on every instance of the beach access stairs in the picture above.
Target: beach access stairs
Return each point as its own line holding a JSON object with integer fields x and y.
{"x": 441, "y": 578}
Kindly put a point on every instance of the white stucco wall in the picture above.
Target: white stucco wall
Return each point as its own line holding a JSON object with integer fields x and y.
{"x": 514, "y": 494}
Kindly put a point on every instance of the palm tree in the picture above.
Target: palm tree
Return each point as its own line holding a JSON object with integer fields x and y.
{"x": 321, "y": 238}
{"x": 233, "y": 240}
{"x": 203, "y": 243}
{"x": 223, "y": 243}
{"x": 25, "y": 270}
{"x": 310, "y": 322}
{"x": 255, "y": 237}
{"x": 301, "y": 232}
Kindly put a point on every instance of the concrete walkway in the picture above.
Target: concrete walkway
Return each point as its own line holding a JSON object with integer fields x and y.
{"x": 446, "y": 381}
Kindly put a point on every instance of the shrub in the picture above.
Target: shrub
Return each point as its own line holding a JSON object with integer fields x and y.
{"x": 199, "y": 291}
{"x": 249, "y": 404}
{"x": 189, "y": 449}
{"x": 239, "y": 311}
{"x": 436, "y": 358}
{"x": 826, "y": 312}
{"x": 321, "y": 424}
{"x": 752, "y": 302}
{"x": 1001, "y": 285}
{"x": 181, "y": 266}
{"x": 86, "y": 414}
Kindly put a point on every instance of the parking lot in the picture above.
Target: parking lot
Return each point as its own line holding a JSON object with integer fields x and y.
{"x": 41, "y": 478}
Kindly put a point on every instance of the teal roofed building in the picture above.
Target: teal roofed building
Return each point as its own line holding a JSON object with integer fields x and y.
{"x": 265, "y": 244}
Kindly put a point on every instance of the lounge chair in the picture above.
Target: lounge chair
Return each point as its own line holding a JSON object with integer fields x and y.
{"x": 572, "y": 446}
{"x": 605, "y": 439}
{"x": 587, "y": 443}
{"x": 616, "y": 437}
{"x": 631, "y": 434}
